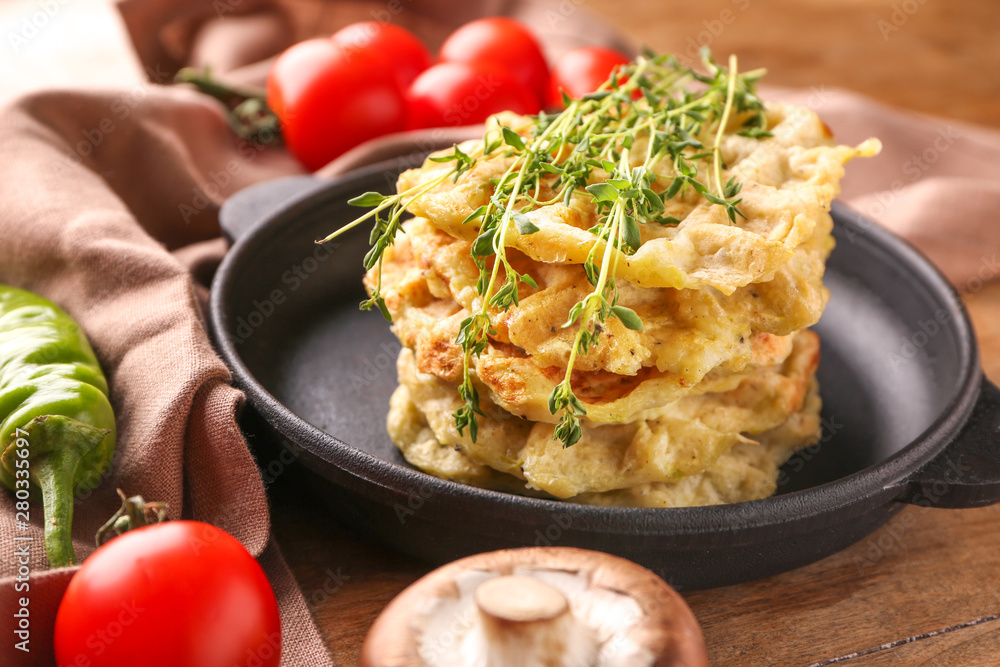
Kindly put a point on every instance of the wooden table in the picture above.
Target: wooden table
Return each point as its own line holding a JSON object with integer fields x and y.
{"x": 924, "y": 589}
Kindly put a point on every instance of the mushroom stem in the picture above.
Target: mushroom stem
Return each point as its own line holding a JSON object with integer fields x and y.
{"x": 527, "y": 622}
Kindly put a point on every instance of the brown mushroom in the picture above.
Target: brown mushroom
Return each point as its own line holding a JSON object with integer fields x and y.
{"x": 544, "y": 607}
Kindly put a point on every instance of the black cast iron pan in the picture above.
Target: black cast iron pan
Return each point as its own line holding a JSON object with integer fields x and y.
{"x": 908, "y": 416}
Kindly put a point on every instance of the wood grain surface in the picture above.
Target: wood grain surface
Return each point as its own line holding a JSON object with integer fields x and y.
{"x": 923, "y": 590}
{"x": 931, "y": 56}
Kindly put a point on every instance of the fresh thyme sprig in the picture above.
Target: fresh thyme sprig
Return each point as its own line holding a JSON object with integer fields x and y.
{"x": 587, "y": 149}
{"x": 388, "y": 213}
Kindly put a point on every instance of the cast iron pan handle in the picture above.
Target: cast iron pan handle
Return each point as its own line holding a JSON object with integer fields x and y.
{"x": 967, "y": 472}
{"x": 388, "y": 153}
{"x": 249, "y": 206}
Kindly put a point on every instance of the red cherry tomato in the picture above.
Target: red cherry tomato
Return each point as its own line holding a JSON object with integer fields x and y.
{"x": 505, "y": 42}
{"x": 176, "y": 593}
{"x": 329, "y": 99}
{"x": 583, "y": 70}
{"x": 404, "y": 50}
{"x": 450, "y": 94}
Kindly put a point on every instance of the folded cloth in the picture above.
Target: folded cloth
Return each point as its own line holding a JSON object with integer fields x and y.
{"x": 935, "y": 182}
{"x": 98, "y": 188}
{"x": 110, "y": 209}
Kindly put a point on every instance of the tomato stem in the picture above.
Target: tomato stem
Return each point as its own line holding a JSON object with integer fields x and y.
{"x": 134, "y": 513}
{"x": 208, "y": 84}
{"x": 249, "y": 116}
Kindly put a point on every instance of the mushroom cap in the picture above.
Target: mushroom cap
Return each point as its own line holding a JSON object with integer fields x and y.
{"x": 667, "y": 628}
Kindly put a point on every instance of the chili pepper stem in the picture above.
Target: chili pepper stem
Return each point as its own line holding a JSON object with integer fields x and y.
{"x": 53, "y": 473}
{"x": 57, "y": 445}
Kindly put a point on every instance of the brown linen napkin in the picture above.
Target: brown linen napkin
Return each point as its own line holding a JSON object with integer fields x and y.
{"x": 96, "y": 193}
{"x": 936, "y": 182}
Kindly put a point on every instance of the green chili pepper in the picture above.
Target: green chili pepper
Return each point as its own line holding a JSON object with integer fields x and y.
{"x": 57, "y": 429}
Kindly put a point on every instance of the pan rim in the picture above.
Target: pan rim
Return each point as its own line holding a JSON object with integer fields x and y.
{"x": 879, "y": 483}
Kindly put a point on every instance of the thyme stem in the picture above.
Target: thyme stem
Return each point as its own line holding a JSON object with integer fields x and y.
{"x": 677, "y": 108}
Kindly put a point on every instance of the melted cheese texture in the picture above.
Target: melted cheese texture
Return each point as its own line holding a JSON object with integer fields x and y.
{"x": 748, "y": 471}
{"x": 788, "y": 182}
{"x": 680, "y": 440}
{"x": 699, "y": 407}
{"x": 693, "y": 341}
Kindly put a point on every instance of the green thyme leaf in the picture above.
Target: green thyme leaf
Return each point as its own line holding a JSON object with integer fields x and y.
{"x": 755, "y": 133}
{"x": 368, "y": 199}
{"x": 602, "y": 192}
{"x": 478, "y": 213}
{"x": 380, "y": 303}
{"x": 712, "y": 198}
{"x": 524, "y": 224}
{"x": 630, "y": 233}
{"x": 653, "y": 199}
{"x": 483, "y": 245}
{"x": 675, "y": 187}
{"x": 568, "y": 430}
{"x": 628, "y": 317}
{"x": 732, "y": 188}
{"x": 512, "y": 139}
{"x": 552, "y": 169}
